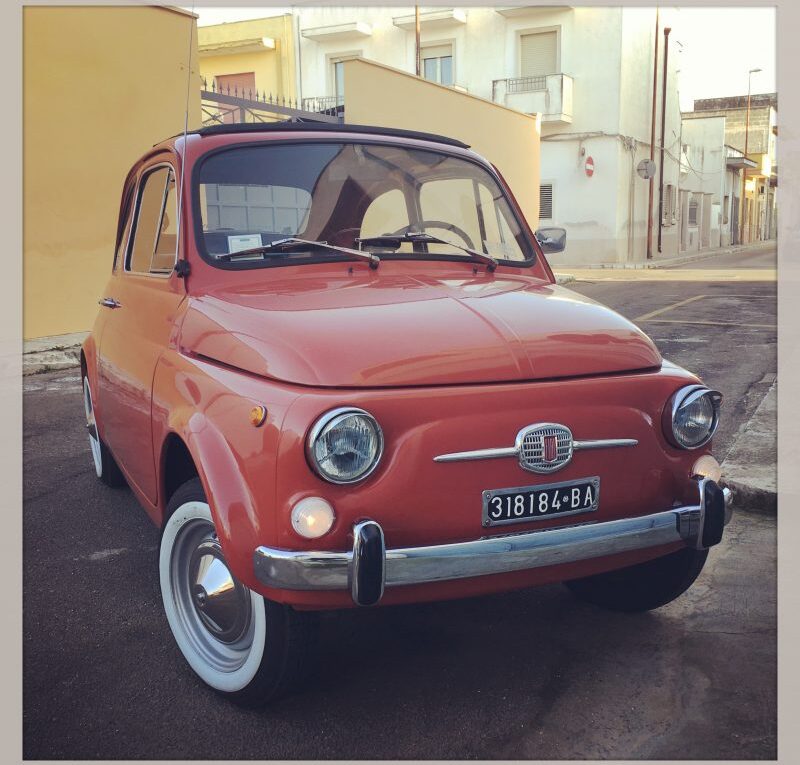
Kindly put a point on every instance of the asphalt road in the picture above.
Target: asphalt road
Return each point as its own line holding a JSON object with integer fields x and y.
{"x": 529, "y": 675}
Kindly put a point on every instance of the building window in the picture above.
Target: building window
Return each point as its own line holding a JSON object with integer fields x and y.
{"x": 338, "y": 81}
{"x": 437, "y": 64}
{"x": 668, "y": 205}
{"x": 546, "y": 201}
{"x": 538, "y": 54}
{"x": 693, "y": 212}
{"x": 725, "y": 206}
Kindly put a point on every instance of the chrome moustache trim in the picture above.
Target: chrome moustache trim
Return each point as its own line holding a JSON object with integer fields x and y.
{"x": 513, "y": 451}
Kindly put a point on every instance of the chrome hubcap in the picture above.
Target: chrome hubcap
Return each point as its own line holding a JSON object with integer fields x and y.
{"x": 221, "y": 602}
{"x": 214, "y": 610}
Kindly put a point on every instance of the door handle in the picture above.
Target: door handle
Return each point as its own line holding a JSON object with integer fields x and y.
{"x": 109, "y": 303}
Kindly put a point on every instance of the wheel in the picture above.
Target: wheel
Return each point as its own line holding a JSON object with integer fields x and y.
{"x": 644, "y": 586}
{"x": 104, "y": 465}
{"x": 245, "y": 647}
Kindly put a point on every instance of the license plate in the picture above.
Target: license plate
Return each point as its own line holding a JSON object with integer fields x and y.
{"x": 531, "y": 503}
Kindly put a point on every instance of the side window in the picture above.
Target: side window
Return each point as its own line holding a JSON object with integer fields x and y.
{"x": 153, "y": 241}
{"x": 122, "y": 227}
{"x": 385, "y": 215}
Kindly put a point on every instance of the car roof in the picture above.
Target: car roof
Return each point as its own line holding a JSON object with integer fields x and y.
{"x": 310, "y": 126}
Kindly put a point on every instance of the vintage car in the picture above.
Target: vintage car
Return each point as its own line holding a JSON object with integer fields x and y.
{"x": 334, "y": 366}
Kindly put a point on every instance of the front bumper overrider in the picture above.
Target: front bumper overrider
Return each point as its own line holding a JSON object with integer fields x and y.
{"x": 370, "y": 567}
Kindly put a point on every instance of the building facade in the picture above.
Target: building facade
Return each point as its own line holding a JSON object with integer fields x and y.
{"x": 101, "y": 85}
{"x": 250, "y": 60}
{"x": 756, "y": 136}
{"x": 588, "y": 72}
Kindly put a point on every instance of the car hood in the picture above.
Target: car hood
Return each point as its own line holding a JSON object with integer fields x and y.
{"x": 382, "y": 330}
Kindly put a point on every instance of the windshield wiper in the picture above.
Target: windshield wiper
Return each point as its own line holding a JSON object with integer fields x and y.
{"x": 293, "y": 241}
{"x": 395, "y": 240}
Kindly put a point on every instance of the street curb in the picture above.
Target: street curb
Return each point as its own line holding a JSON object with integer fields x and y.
{"x": 751, "y": 462}
{"x": 678, "y": 260}
{"x": 51, "y": 354}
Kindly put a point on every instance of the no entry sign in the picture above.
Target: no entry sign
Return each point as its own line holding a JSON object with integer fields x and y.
{"x": 589, "y": 166}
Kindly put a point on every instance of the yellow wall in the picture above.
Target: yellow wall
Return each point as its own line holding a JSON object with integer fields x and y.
{"x": 375, "y": 94}
{"x": 274, "y": 68}
{"x": 101, "y": 85}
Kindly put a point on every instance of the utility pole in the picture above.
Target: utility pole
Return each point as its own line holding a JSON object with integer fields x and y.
{"x": 742, "y": 207}
{"x": 667, "y": 30}
{"x": 652, "y": 180}
{"x": 417, "y": 49}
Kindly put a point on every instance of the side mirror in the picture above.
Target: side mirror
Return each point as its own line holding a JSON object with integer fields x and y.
{"x": 552, "y": 239}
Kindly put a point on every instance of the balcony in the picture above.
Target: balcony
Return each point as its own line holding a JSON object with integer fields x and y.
{"x": 549, "y": 95}
{"x": 331, "y": 105}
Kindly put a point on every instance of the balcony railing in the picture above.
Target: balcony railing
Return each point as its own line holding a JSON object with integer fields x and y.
{"x": 323, "y": 104}
{"x": 549, "y": 95}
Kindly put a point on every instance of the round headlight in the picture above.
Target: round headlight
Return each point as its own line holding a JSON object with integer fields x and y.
{"x": 345, "y": 445}
{"x": 693, "y": 414}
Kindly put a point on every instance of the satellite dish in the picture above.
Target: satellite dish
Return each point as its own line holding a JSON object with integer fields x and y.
{"x": 646, "y": 168}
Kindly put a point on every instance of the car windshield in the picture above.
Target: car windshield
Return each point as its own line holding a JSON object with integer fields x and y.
{"x": 375, "y": 197}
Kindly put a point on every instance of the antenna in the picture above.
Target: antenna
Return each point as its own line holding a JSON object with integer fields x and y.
{"x": 181, "y": 264}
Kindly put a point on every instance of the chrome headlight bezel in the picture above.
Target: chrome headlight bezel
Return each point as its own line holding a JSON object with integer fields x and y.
{"x": 330, "y": 420}
{"x": 679, "y": 400}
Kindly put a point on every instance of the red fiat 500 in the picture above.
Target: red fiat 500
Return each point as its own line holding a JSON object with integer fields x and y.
{"x": 334, "y": 367}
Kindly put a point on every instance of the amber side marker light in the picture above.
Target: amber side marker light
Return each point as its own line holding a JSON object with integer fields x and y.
{"x": 258, "y": 414}
{"x": 707, "y": 467}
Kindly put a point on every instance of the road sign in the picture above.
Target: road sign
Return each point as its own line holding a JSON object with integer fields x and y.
{"x": 646, "y": 168}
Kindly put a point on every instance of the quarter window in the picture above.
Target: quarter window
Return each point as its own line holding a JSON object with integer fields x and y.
{"x": 153, "y": 246}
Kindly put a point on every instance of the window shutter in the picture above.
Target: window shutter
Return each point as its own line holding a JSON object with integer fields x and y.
{"x": 538, "y": 54}
{"x": 546, "y": 201}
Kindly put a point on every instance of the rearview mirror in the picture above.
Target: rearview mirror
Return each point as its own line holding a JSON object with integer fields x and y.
{"x": 552, "y": 239}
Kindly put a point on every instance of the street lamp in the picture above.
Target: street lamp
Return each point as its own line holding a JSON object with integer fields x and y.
{"x": 744, "y": 169}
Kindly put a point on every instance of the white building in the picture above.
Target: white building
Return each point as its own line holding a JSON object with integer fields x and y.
{"x": 705, "y": 204}
{"x": 587, "y": 71}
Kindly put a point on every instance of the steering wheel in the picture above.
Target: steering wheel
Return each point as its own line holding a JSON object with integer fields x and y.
{"x": 437, "y": 224}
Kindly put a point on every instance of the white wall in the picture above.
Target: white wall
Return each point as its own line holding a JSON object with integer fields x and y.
{"x": 607, "y": 51}
{"x": 705, "y": 169}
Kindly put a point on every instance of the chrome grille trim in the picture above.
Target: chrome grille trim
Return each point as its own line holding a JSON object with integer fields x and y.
{"x": 525, "y": 452}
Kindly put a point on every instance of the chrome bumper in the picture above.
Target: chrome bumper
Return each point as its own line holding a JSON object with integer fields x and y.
{"x": 369, "y": 566}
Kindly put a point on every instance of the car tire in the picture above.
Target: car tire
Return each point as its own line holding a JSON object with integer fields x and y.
{"x": 247, "y": 648}
{"x": 645, "y": 586}
{"x": 105, "y": 466}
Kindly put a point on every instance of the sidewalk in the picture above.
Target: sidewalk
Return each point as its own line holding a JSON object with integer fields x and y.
{"x": 48, "y": 354}
{"x": 750, "y": 469}
{"x": 678, "y": 260}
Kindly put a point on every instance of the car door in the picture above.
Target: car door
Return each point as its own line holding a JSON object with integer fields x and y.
{"x": 142, "y": 300}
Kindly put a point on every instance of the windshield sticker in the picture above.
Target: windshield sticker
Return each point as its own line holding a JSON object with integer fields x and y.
{"x": 239, "y": 242}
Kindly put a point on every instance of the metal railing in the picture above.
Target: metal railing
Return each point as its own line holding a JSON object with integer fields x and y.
{"x": 324, "y": 104}
{"x": 525, "y": 84}
{"x": 226, "y": 105}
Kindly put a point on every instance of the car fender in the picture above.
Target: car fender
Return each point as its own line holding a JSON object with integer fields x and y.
{"x": 208, "y": 408}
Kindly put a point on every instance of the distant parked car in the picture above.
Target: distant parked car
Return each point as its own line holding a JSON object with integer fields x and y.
{"x": 334, "y": 367}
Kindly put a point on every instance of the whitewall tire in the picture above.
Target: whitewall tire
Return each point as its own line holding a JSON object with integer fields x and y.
{"x": 105, "y": 467}
{"x": 238, "y": 643}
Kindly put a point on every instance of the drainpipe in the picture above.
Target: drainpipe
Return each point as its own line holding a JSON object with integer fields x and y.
{"x": 667, "y": 30}
{"x": 652, "y": 180}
